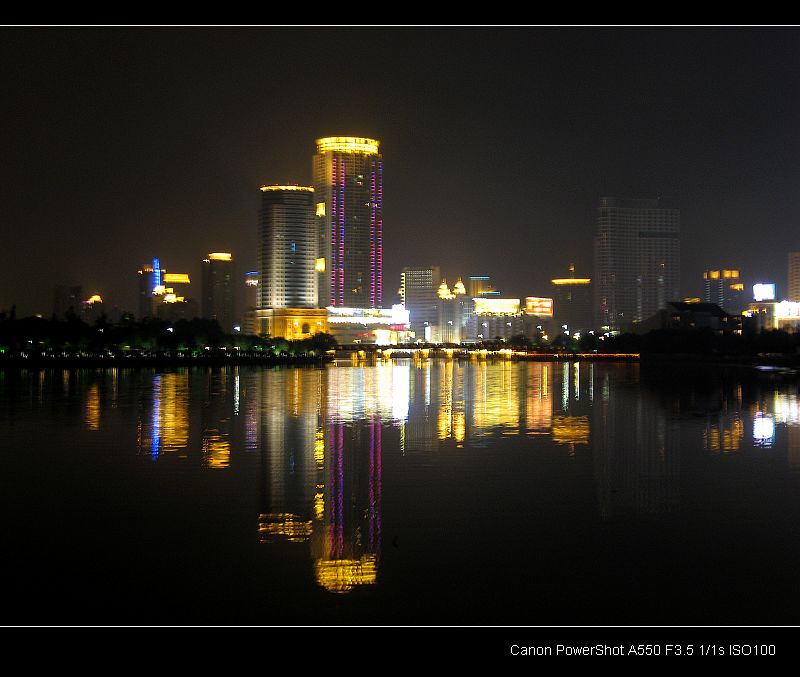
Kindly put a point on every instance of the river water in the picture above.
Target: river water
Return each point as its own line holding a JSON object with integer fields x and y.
{"x": 424, "y": 493}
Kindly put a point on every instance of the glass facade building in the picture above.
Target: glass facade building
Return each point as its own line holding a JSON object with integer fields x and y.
{"x": 348, "y": 189}
{"x": 637, "y": 261}
{"x": 218, "y": 298}
{"x": 794, "y": 276}
{"x": 418, "y": 294}
{"x": 287, "y": 249}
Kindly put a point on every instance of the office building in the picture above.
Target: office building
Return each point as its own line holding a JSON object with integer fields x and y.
{"x": 418, "y": 294}
{"x": 218, "y": 300}
{"x": 481, "y": 286}
{"x": 572, "y": 302}
{"x": 794, "y": 277}
{"x": 287, "y": 263}
{"x": 725, "y": 289}
{"x": 150, "y": 276}
{"x": 248, "y": 325}
{"x": 637, "y": 261}
{"x": 455, "y": 311}
{"x": 348, "y": 185}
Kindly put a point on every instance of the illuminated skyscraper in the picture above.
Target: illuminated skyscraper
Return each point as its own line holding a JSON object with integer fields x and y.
{"x": 218, "y": 289}
{"x": 418, "y": 294}
{"x": 287, "y": 248}
{"x": 794, "y": 276}
{"x": 724, "y": 288}
{"x": 348, "y": 184}
{"x": 151, "y": 275}
{"x": 637, "y": 260}
{"x": 287, "y": 256}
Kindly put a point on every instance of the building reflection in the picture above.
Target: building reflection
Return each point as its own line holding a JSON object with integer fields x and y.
{"x": 635, "y": 449}
{"x": 91, "y": 406}
{"x": 221, "y": 403}
{"x": 322, "y": 434}
{"x": 290, "y": 411}
{"x": 163, "y": 424}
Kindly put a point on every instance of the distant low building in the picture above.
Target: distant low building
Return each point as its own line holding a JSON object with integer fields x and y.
{"x": 495, "y": 318}
{"x": 682, "y": 315}
{"x": 769, "y": 315}
{"x": 381, "y": 326}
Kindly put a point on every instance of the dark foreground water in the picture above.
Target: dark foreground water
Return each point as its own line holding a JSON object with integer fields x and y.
{"x": 413, "y": 493}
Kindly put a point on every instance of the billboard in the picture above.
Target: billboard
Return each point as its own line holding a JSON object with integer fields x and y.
{"x": 764, "y": 291}
{"x": 486, "y": 306}
{"x": 536, "y": 305}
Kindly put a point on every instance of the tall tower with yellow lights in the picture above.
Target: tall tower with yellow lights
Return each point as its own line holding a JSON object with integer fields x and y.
{"x": 348, "y": 189}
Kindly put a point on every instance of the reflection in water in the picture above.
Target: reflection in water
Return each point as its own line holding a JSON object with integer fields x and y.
{"x": 321, "y": 433}
{"x": 322, "y": 469}
{"x": 168, "y": 428}
{"x": 91, "y": 408}
{"x": 216, "y": 418}
{"x": 636, "y": 450}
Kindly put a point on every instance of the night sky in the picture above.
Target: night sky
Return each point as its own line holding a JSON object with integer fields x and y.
{"x": 120, "y": 144}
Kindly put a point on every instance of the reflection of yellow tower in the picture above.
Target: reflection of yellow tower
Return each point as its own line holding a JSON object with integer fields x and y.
{"x": 167, "y": 428}
{"x": 216, "y": 420}
{"x": 347, "y": 541}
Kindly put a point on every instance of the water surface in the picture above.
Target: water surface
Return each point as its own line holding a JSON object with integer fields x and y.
{"x": 416, "y": 492}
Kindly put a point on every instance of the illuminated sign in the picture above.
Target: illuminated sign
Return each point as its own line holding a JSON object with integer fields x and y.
{"x": 397, "y": 315}
{"x": 764, "y": 291}
{"x": 156, "y": 273}
{"x": 348, "y": 144}
{"x": 763, "y": 430}
{"x": 219, "y": 256}
{"x": 572, "y": 280}
{"x": 486, "y": 306}
{"x": 535, "y": 305}
{"x": 176, "y": 278}
{"x": 307, "y": 189}
{"x": 787, "y": 310}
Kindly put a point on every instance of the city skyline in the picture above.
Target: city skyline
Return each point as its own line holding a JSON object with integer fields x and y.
{"x": 499, "y": 146}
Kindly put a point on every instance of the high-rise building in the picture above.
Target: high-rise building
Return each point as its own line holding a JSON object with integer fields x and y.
{"x": 637, "y": 261}
{"x": 287, "y": 248}
{"x": 794, "y": 276}
{"x": 151, "y": 275}
{"x": 481, "y": 286}
{"x": 218, "y": 298}
{"x": 725, "y": 289}
{"x": 455, "y": 314}
{"x": 572, "y": 301}
{"x": 287, "y": 260}
{"x": 248, "y": 325}
{"x": 348, "y": 185}
{"x": 418, "y": 294}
